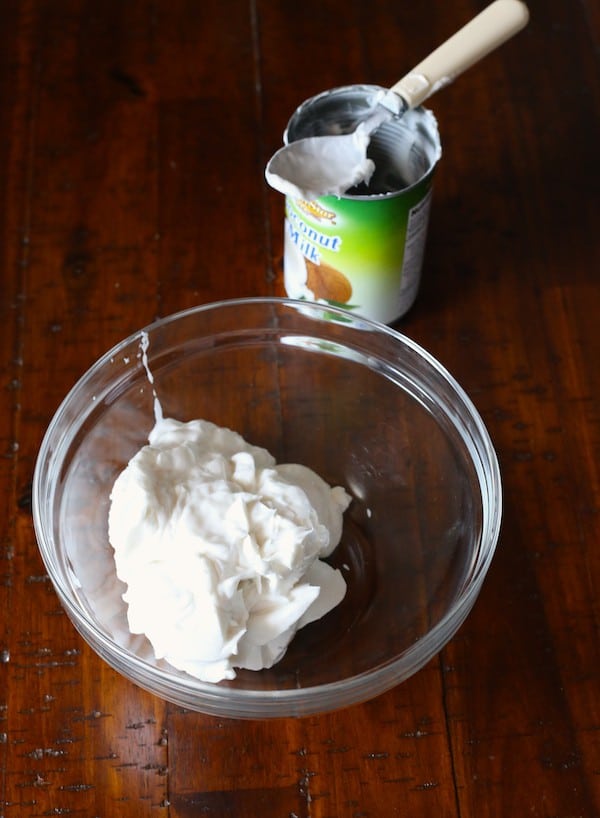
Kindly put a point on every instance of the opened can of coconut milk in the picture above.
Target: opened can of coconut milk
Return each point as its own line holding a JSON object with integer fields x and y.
{"x": 363, "y": 250}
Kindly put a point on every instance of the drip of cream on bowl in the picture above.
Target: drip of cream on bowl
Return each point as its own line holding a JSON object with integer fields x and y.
{"x": 221, "y": 548}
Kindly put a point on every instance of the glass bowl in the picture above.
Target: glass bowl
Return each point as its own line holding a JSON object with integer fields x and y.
{"x": 356, "y": 401}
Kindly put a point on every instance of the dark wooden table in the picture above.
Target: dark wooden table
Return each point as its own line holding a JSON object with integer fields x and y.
{"x": 133, "y": 137}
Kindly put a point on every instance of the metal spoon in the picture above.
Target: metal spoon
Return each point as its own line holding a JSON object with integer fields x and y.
{"x": 331, "y": 165}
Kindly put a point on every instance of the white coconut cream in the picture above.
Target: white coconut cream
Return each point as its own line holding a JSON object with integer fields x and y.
{"x": 220, "y": 548}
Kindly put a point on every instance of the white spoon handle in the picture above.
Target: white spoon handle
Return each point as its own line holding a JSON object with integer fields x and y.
{"x": 492, "y": 27}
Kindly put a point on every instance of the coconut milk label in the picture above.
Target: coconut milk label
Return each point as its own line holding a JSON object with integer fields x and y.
{"x": 364, "y": 254}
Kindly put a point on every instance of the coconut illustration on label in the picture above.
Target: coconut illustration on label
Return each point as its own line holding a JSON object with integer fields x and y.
{"x": 327, "y": 283}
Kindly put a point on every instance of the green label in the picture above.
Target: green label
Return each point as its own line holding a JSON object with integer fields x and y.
{"x": 364, "y": 254}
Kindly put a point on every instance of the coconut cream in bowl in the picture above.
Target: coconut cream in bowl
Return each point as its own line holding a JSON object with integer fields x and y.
{"x": 265, "y": 507}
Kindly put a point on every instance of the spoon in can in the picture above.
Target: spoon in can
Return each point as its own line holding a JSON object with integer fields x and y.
{"x": 332, "y": 164}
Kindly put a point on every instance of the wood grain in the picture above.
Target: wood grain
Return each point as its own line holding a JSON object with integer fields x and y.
{"x": 133, "y": 139}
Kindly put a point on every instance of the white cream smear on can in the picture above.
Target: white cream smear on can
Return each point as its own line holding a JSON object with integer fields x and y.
{"x": 221, "y": 548}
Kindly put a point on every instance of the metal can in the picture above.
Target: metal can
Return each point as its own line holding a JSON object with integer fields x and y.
{"x": 363, "y": 250}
